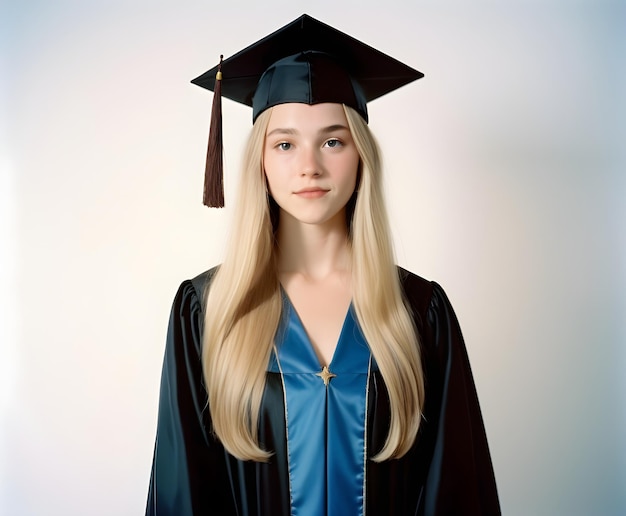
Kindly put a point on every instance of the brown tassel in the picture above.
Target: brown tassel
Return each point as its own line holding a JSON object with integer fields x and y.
{"x": 214, "y": 171}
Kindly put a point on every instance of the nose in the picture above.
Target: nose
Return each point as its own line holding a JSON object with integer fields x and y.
{"x": 310, "y": 163}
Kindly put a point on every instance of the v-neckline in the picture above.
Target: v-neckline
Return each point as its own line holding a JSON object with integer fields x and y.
{"x": 293, "y": 314}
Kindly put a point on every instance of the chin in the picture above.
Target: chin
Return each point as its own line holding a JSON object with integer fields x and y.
{"x": 315, "y": 219}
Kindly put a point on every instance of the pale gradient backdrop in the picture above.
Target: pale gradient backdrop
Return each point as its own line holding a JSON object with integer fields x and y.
{"x": 506, "y": 183}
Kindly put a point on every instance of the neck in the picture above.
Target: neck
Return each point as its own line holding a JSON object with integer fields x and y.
{"x": 313, "y": 250}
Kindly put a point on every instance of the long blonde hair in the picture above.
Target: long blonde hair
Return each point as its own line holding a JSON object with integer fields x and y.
{"x": 244, "y": 305}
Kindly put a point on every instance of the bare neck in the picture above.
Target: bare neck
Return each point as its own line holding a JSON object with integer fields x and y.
{"x": 313, "y": 250}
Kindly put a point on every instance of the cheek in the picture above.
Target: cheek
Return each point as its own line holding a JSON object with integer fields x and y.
{"x": 351, "y": 172}
{"x": 268, "y": 170}
{"x": 272, "y": 179}
{"x": 269, "y": 183}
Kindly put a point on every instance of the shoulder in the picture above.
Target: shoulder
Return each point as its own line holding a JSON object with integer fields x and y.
{"x": 424, "y": 297}
{"x": 202, "y": 281}
{"x": 418, "y": 292}
{"x": 191, "y": 296}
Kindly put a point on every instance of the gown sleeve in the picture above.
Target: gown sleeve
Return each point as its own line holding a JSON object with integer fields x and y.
{"x": 188, "y": 469}
{"x": 460, "y": 478}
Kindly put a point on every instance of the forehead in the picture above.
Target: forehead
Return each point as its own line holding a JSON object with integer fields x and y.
{"x": 306, "y": 117}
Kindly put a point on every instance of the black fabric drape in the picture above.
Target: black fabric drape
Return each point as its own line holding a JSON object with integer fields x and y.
{"x": 448, "y": 471}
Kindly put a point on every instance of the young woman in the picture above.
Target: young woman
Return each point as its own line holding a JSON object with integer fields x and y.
{"x": 307, "y": 374}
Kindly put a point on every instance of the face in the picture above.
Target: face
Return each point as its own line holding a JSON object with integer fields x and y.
{"x": 311, "y": 161}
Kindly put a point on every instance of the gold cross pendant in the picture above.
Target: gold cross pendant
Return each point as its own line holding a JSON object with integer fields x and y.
{"x": 325, "y": 375}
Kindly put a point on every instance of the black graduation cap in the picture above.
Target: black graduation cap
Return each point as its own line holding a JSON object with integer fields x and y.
{"x": 305, "y": 61}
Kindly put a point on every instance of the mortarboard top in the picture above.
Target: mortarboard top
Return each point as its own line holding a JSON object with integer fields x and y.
{"x": 305, "y": 61}
{"x": 376, "y": 73}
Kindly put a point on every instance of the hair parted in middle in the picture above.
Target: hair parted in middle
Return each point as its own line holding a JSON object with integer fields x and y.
{"x": 244, "y": 304}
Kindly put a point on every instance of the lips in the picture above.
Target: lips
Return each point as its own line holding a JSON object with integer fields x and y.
{"x": 311, "y": 193}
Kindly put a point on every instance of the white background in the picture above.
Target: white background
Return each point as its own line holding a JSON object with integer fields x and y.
{"x": 506, "y": 183}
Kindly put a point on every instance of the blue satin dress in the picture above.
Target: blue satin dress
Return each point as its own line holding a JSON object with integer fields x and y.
{"x": 326, "y": 416}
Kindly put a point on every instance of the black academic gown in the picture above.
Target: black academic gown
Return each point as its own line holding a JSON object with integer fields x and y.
{"x": 448, "y": 471}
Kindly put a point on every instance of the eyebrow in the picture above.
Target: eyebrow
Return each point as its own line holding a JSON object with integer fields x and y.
{"x": 325, "y": 130}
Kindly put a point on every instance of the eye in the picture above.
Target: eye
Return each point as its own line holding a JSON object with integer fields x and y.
{"x": 284, "y": 146}
{"x": 333, "y": 143}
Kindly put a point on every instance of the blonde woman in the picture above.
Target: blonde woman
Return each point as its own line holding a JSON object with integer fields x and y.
{"x": 307, "y": 374}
